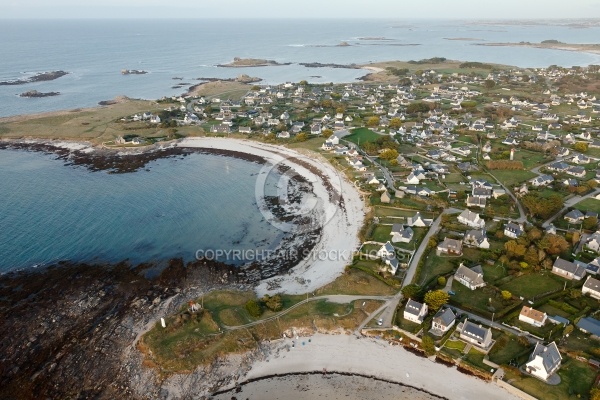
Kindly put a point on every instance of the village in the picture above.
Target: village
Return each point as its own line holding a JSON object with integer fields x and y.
{"x": 481, "y": 183}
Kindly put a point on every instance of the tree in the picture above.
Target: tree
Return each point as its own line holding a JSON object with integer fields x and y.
{"x": 595, "y": 394}
{"x": 553, "y": 244}
{"x": 506, "y": 295}
{"x": 301, "y": 137}
{"x": 373, "y": 121}
{"x": 395, "y": 123}
{"x": 389, "y": 154}
{"x": 253, "y": 308}
{"x": 568, "y": 330}
{"x": 441, "y": 280}
{"x": 326, "y": 132}
{"x": 575, "y": 238}
{"x": 417, "y": 107}
{"x": 590, "y": 223}
{"x": 580, "y": 147}
{"x": 436, "y": 299}
{"x": 273, "y": 303}
{"x": 531, "y": 256}
{"x": 428, "y": 345}
{"x": 489, "y": 84}
{"x": 534, "y": 234}
{"x": 412, "y": 291}
{"x": 514, "y": 249}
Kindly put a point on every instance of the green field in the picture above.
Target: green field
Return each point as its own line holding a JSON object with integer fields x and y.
{"x": 362, "y": 135}
{"x": 512, "y": 178}
{"x": 530, "y": 286}
{"x": 588, "y": 205}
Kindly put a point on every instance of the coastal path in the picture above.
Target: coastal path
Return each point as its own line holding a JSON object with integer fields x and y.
{"x": 336, "y": 298}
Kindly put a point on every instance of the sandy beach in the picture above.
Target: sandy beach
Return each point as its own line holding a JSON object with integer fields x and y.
{"x": 342, "y": 221}
{"x": 365, "y": 356}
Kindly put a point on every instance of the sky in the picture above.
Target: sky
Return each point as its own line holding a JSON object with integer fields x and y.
{"x": 388, "y": 9}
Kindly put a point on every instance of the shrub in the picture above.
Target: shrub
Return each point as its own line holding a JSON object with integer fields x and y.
{"x": 254, "y": 308}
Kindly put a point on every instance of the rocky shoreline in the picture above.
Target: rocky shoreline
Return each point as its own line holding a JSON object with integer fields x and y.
{"x": 41, "y": 77}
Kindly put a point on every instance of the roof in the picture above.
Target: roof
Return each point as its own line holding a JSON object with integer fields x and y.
{"x": 569, "y": 267}
{"x": 592, "y": 284}
{"x": 413, "y": 307}
{"x": 549, "y": 354}
{"x": 475, "y": 331}
{"x": 473, "y": 276}
{"x": 444, "y": 317}
{"x": 589, "y": 325}
{"x": 559, "y": 320}
{"x": 533, "y": 314}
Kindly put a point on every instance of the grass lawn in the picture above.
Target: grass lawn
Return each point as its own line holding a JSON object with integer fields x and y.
{"x": 576, "y": 379}
{"x": 454, "y": 177}
{"x": 588, "y": 205}
{"x": 441, "y": 265}
{"x": 356, "y": 282}
{"x": 381, "y": 233}
{"x": 508, "y": 348}
{"x": 406, "y": 324}
{"x": 532, "y": 285}
{"x": 492, "y": 273}
{"x": 478, "y": 300}
{"x": 530, "y": 159}
{"x": 362, "y": 135}
{"x": 512, "y": 178}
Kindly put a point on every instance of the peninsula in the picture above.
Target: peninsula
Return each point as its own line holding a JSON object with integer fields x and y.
{"x": 251, "y": 62}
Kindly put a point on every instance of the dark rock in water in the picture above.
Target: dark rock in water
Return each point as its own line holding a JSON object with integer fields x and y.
{"x": 133, "y": 72}
{"x": 35, "y": 93}
{"x": 107, "y": 102}
{"x": 329, "y": 65}
{"x": 41, "y": 77}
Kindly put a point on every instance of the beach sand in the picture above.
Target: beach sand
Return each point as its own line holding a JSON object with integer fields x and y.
{"x": 364, "y": 356}
{"x": 339, "y": 234}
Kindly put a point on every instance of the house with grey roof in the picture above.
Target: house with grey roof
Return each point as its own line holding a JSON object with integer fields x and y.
{"x": 470, "y": 277}
{"x": 574, "y": 216}
{"x": 401, "y": 233}
{"x": 418, "y": 220}
{"x": 591, "y": 287}
{"x": 589, "y": 325}
{"x": 450, "y": 247}
{"x": 469, "y": 218}
{"x": 476, "y": 238}
{"x": 544, "y": 361}
{"x": 568, "y": 270}
{"x": 477, "y": 335}
{"x": 387, "y": 251}
{"x": 415, "y": 311}
{"x": 442, "y": 322}
{"x": 513, "y": 230}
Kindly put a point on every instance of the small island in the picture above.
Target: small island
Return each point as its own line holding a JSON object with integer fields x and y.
{"x": 41, "y": 77}
{"x": 251, "y": 62}
{"x": 35, "y": 93}
{"x": 593, "y": 48}
{"x": 133, "y": 72}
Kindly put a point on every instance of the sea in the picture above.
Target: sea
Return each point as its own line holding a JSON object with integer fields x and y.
{"x": 95, "y": 51}
{"x": 174, "y": 207}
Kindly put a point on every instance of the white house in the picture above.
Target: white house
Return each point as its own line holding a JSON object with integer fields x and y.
{"x": 386, "y": 251}
{"x": 417, "y": 220}
{"x": 568, "y": 270}
{"x": 591, "y": 287}
{"x": 477, "y": 238}
{"x": 470, "y": 277}
{"x": 513, "y": 230}
{"x": 401, "y": 233}
{"x": 415, "y": 311}
{"x": 544, "y": 361}
{"x": 475, "y": 334}
{"x": 412, "y": 179}
{"x": 593, "y": 242}
{"x": 532, "y": 317}
{"x": 471, "y": 219}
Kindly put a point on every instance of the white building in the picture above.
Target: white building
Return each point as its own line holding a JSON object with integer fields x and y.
{"x": 532, "y": 317}
{"x": 415, "y": 311}
{"x": 544, "y": 361}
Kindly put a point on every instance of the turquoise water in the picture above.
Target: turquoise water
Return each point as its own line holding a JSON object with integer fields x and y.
{"x": 95, "y": 51}
{"x": 51, "y": 212}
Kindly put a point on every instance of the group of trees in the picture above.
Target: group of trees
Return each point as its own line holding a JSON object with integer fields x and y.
{"x": 534, "y": 250}
{"x": 255, "y": 307}
{"x": 542, "y": 207}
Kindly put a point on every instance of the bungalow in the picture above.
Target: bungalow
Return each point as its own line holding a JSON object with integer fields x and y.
{"x": 580, "y": 159}
{"x": 558, "y": 167}
{"x": 442, "y": 322}
{"x": 469, "y": 218}
{"x": 476, "y": 335}
{"x": 578, "y": 172}
{"x": 568, "y": 270}
{"x": 425, "y": 192}
{"x": 315, "y": 129}
{"x": 544, "y": 361}
{"x": 574, "y": 217}
{"x": 532, "y": 317}
{"x": 245, "y": 129}
{"x": 415, "y": 311}
{"x": 591, "y": 287}
{"x": 412, "y": 179}
{"x": 451, "y": 247}
{"x": 477, "y": 238}
{"x": 470, "y": 277}
{"x": 589, "y": 325}
{"x": 401, "y": 233}
{"x": 513, "y": 230}
{"x": 593, "y": 242}
{"x": 542, "y": 180}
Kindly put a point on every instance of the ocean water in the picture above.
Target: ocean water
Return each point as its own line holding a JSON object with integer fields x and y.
{"x": 95, "y": 51}
{"x": 51, "y": 212}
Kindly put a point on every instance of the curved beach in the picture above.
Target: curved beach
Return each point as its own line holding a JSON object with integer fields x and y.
{"x": 344, "y": 214}
{"x": 369, "y": 357}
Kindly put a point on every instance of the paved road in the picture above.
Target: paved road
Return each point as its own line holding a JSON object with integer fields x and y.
{"x": 338, "y": 298}
{"x": 569, "y": 203}
{"x": 522, "y": 216}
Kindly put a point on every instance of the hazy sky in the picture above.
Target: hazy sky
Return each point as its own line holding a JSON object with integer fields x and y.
{"x": 389, "y": 9}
